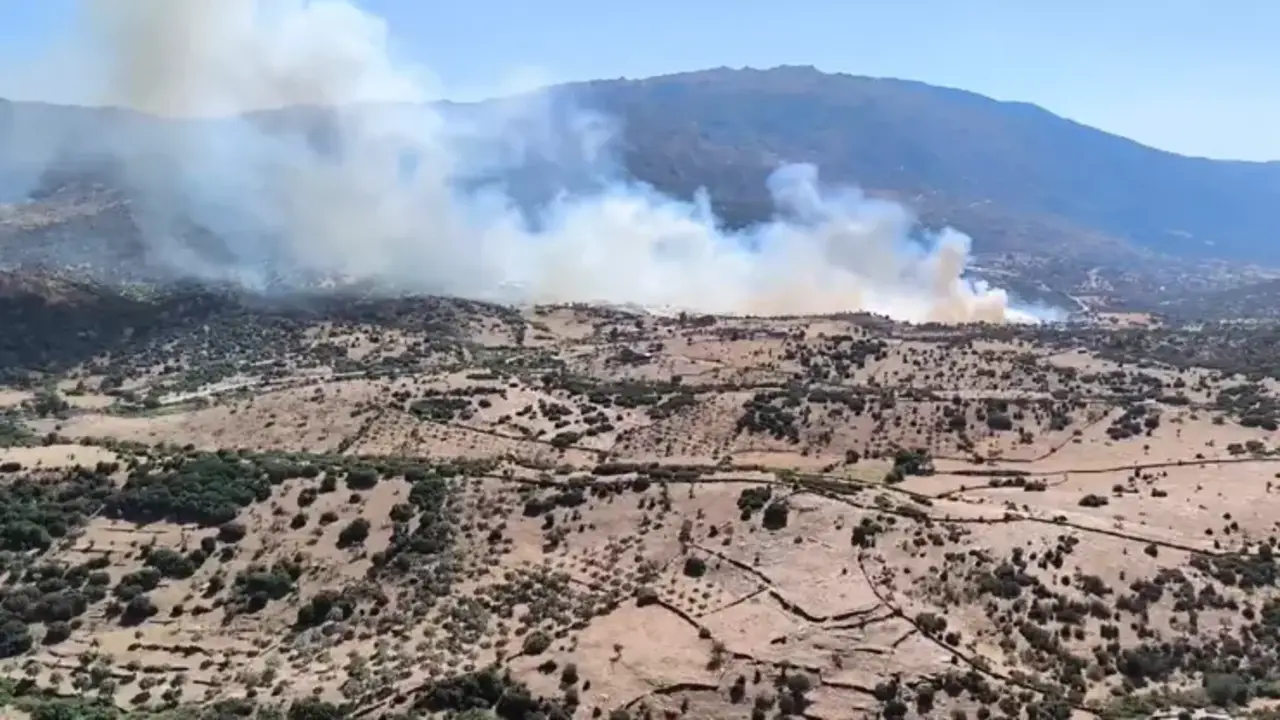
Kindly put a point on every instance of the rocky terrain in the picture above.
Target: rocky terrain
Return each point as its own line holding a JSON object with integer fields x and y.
{"x": 322, "y": 507}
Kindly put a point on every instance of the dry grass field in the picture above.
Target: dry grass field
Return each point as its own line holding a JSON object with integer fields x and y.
{"x": 584, "y": 512}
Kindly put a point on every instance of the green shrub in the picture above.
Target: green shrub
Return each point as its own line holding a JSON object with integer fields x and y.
{"x": 695, "y": 566}
{"x": 362, "y": 478}
{"x": 171, "y": 563}
{"x": 536, "y": 643}
{"x": 775, "y": 515}
{"x": 354, "y": 533}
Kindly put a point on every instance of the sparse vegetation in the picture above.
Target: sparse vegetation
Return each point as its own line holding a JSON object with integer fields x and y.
{"x": 872, "y": 488}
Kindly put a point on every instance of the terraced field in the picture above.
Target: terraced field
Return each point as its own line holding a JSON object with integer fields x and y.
{"x": 429, "y": 507}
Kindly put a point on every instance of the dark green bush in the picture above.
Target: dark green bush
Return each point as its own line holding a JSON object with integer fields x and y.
{"x": 354, "y": 533}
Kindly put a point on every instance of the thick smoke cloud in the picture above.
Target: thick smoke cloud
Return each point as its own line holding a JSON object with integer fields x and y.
{"x": 358, "y": 174}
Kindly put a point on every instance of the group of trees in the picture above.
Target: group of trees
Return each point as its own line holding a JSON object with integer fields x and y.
{"x": 37, "y": 508}
{"x": 489, "y": 690}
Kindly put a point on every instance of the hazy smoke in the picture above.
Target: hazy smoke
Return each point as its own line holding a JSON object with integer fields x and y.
{"x": 376, "y": 185}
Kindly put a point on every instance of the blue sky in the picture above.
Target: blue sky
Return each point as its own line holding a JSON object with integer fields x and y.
{"x": 1191, "y": 76}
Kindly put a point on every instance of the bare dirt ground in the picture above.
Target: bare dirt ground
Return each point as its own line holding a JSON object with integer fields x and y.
{"x": 582, "y": 512}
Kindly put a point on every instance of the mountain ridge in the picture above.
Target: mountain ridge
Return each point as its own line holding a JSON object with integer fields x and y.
{"x": 1014, "y": 176}
{"x": 961, "y": 145}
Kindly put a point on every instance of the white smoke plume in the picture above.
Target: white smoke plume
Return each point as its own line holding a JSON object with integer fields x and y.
{"x": 376, "y": 190}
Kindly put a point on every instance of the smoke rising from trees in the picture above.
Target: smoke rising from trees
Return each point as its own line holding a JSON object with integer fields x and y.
{"x": 293, "y": 138}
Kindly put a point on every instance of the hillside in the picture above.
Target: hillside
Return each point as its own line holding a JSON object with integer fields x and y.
{"x": 217, "y": 507}
{"x": 1057, "y": 210}
{"x": 1014, "y": 175}
{"x": 336, "y": 504}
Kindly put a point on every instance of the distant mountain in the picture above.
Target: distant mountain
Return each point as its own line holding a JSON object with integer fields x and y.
{"x": 1019, "y": 179}
{"x": 1014, "y": 175}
